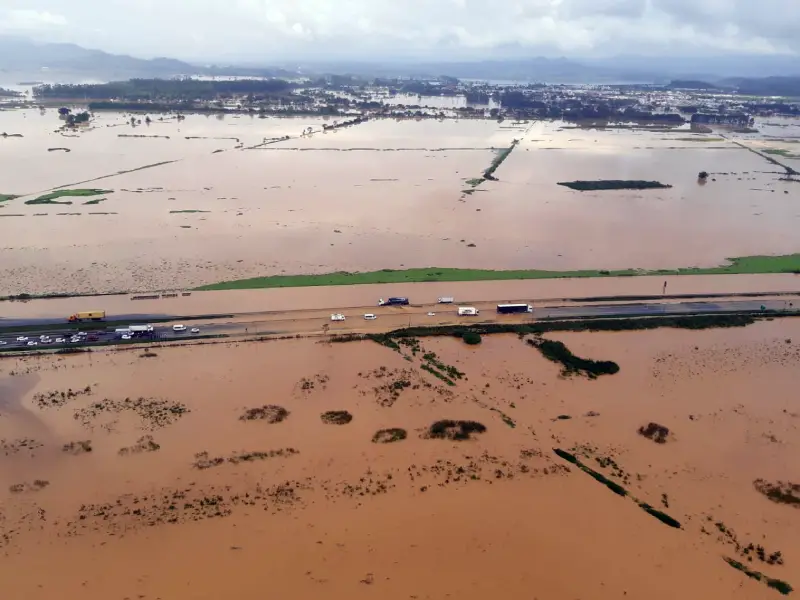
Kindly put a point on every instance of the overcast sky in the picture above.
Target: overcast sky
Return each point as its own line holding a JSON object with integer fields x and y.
{"x": 271, "y": 30}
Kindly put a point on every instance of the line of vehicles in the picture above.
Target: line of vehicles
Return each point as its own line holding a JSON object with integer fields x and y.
{"x": 462, "y": 311}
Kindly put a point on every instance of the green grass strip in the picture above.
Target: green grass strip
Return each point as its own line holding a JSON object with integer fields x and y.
{"x": 749, "y": 265}
{"x": 53, "y": 197}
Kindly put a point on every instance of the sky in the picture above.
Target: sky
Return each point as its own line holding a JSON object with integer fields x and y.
{"x": 369, "y": 30}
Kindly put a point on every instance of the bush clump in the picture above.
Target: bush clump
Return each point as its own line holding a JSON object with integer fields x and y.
{"x": 79, "y": 447}
{"x": 271, "y": 413}
{"x": 781, "y": 492}
{"x": 457, "y": 431}
{"x": 654, "y": 431}
{"x": 387, "y": 436}
{"x": 557, "y": 352}
{"x": 473, "y": 338}
{"x": 336, "y": 417}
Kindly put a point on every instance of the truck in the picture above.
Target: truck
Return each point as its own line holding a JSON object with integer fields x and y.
{"x": 337, "y": 317}
{"x": 446, "y": 300}
{"x": 89, "y": 315}
{"x": 505, "y": 309}
{"x": 140, "y": 328}
{"x": 396, "y": 301}
{"x": 467, "y": 311}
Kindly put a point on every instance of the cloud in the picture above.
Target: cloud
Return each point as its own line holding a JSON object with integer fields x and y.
{"x": 272, "y": 30}
{"x": 27, "y": 20}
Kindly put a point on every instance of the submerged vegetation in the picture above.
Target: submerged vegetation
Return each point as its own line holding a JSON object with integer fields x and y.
{"x": 781, "y": 492}
{"x": 271, "y": 413}
{"x": 776, "y": 584}
{"x": 53, "y": 197}
{"x": 617, "y": 489}
{"x": 557, "y": 352}
{"x": 789, "y": 263}
{"x": 7, "y": 197}
{"x": 613, "y": 184}
{"x": 336, "y": 417}
{"x": 654, "y": 431}
{"x": 387, "y": 436}
{"x": 457, "y": 431}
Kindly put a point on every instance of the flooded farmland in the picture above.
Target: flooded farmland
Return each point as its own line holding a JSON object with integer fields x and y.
{"x": 212, "y": 198}
{"x": 180, "y": 473}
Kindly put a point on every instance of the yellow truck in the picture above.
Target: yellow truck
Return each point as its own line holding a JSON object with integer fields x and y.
{"x": 89, "y": 315}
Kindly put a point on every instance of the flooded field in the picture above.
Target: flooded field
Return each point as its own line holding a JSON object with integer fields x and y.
{"x": 212, "y": 198}
{"x": 131, "y": 474}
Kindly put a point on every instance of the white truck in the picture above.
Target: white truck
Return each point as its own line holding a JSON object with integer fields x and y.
{"x": 140, "y": 328}
{"x": 337, "y": 317}
{"x": 446, "y": 300}
{"x": 468, "y": 311}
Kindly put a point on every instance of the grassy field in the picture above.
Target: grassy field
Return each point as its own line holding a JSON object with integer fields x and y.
{"x": 52, "y": 197}
{"x": 745, "y": 265}
{"x": 7, "y": 197}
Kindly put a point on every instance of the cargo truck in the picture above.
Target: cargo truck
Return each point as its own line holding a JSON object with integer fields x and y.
{"x": 446, "y": 300}
{"x": 89, "y": 315}
{"x": 393, "y": 302}
{"x": 505, "y": 309}
{"x": 467, "y": 311}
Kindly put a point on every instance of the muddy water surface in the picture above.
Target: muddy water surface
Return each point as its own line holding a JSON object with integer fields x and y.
{"x": 330, "y": 512}
{"x": 384, "y": 194}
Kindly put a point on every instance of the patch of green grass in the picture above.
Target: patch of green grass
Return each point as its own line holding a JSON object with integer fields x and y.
{"x": 789, "y": 263}
{"x": 613, "y": 184}
{"x": 52, "y": 197}
{"x": 779, "y": 152}
{"x": 700, "y": 139}
{"x": 95, "y": 201}
{"x": 557, "y": 352}
{"x": 7, "y": 197}
{"x": 190, "y": 210}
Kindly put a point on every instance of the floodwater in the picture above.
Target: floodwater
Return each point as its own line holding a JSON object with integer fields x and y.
{"x": 229, "y": 202}
{"x": 336, "y": 515}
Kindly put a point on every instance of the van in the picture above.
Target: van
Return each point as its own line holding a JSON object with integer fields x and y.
{"x": 370, "y": 317}
{"x": 178, "y": 328}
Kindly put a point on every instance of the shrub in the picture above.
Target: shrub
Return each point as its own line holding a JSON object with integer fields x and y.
{"x": 270, "y": 413}
{"x": 336, "y": 417}
{"x": 654, "y": 431}
{"x": 557, "y": 352}
{"x": 472, "y": 338}
{"x": 387, "y": 436}
{"x": 454, "y": 430}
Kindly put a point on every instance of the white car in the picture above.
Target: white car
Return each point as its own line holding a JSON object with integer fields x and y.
{"x": 370, "y": 317}
{"x": 81, "y": 334}
{"x": 126, "y": 336}
{"x": 195, "y": 330}
{"x": 46, "y": 341}
{"x": 32, "y": 343}
{"x": 60, "y": 340}
{"x": 337, "y": 317}
{"x": 179, "y": 328}
{"x": 74, "y": 340}
{"x": 431, "y": 314}
{"x": 22, "y": 338}
{"x": 2, "y": 343}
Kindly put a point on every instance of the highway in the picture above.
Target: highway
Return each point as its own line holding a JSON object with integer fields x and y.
{"x": 309, "y": 322}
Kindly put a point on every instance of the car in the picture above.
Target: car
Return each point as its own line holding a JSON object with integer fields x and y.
{"x": 32, "y": 343}
{"x": 81, "y": 334}
{"x": 60, "y": 340}
{"x": 22, "y": 338}
{"x": 46, "y": 341}
{"x": 337, "y": 317}
{"x": 370, "y": 317}
{"x": 195, "y": 330}
{"x": 44, "y": 337}
{"x": 431, "y": 314}
{"x": 74, "y": 340}
{"x": 2, "y": 343}
{"x": 179, "y": 328}
{"x": 126, "y": 336}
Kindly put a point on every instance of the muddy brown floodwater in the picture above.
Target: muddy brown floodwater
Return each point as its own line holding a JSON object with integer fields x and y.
{"x": 210, "y": 199}
{"x": 132, "y": 476}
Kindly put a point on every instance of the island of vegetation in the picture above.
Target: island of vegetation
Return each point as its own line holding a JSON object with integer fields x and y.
{"x": 613, "y": 184}
{"x": 53, "y": 197}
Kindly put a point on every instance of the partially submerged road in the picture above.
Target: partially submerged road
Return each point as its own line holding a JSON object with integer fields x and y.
{"x": 310, "y": 322}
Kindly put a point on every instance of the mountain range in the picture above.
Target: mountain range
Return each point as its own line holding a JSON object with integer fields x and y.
{"x": 21, "y": 58}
